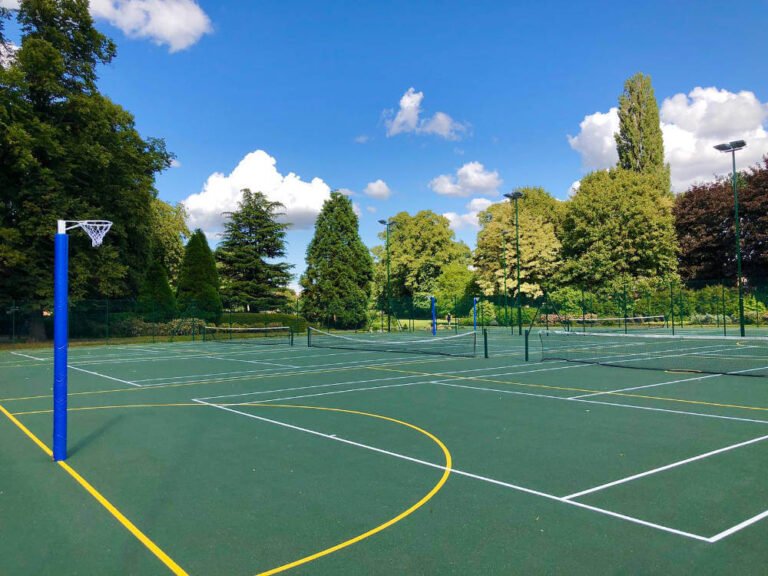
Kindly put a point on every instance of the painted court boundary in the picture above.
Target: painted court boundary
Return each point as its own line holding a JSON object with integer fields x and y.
{"x": 119, "y": 516}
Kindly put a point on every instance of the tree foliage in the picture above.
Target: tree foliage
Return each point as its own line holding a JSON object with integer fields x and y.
{"x": 252, "y": 237}
{"x": 156, "y": 300}
{"x": 67, "y": 152}
{"x": 540, "y": 216}
{"x": 169, "y": 232}
{"x": 337, "y": 281}
{"x": 198, "y": 288}
{"x": 704, "y": 219}
{"x": 420, "y": 247}
{"x": 639, "y": 142}
{"x": 617, "y": 224}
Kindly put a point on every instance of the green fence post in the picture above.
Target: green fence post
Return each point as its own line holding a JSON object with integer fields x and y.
{"x": 485, "y": 342}
{"x": 527, "y": 335}
{"x": 672, "y": 305}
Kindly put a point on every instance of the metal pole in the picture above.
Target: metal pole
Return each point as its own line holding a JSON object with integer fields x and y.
{"x": 504, "y": 266}
{"x": 722, "y": 286}
{"x": 517, "y": 249}
{"x": 738, "y": 245}
{"x": 389, "y": 297}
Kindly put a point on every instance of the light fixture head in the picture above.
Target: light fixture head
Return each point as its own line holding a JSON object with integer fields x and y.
{"x": 516, "y": 195}
{"x": 383, "y": 222}
{"x": 731, "y": 146}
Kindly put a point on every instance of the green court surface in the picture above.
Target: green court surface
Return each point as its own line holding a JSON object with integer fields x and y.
{"x": 236, "y": 458}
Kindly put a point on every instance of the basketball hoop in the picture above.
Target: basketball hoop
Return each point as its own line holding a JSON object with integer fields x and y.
{"x": 96, "y": 229}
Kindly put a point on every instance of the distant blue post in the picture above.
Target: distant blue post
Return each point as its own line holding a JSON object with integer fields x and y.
{"x": 434, "y": 315}
{"x": 60, "y": 289}
{"x": 474, "y": 312}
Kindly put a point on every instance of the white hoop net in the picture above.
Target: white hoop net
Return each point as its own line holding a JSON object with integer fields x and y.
{"x": 96, "y": 229}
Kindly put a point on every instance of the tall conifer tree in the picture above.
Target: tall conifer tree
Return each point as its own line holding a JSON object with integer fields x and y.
{"x": 252, "y": 238}
{"x": 337, "y": 281}
{"x": 198, "y": 289}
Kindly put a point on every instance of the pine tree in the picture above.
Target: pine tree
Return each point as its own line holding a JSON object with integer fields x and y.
{"x": 253, "y": 236}
{"x": 198, "y": 289}
{"x": 156, "y": 300}
{"x": 337, "y": 281}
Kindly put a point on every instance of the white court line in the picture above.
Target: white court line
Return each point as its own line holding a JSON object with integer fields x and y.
{"x": 616, "y": 404}
{"x": 313, "y": 387}
{"x": 663, "y": 468}
{"x": 253, "y": 362}
{"x": 334, "y": 392}
{"x": 645, "y": 386}
{"x": 739, "y": 526}
{"x": 28, "y": 356}
{"x": 460, "y": 472}
{"x": 105, "y": 376}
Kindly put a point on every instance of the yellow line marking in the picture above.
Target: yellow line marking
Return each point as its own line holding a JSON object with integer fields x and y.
{"x": 130, "y": 526}
{"x": 388, "y": 523}
{"x": 588, "y": 391}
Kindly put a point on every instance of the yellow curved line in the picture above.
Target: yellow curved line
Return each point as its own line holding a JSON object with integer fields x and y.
{"x": 388, "y": 523}
{"x": 435, "y": 489}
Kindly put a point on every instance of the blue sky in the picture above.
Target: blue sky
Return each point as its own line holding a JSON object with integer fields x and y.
{"x": 497, "y": 89}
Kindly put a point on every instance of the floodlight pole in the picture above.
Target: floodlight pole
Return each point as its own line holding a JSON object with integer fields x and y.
{"x": 515, "y": 196}
{"x": 732, "y": 147}
{"x": 388, "y": 223}
{"x": 504, "y": 266}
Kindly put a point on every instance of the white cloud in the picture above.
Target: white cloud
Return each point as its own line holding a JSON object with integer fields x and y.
{"x": 175, "y": 163}
{"x": 371, "y": 209}
{"x": 221, "y": 193}
{"x": 471, "y": 179}
{"x": 377, "y": 189}
{"x": 7, "y": 53}
{"x": 691, "y": 124}
{"x": 177, "y": 24}
{"x": 595, "y": 141}
{"x": 356, "y": 209}
{"x": 574, "y": 188}
{"x": 346, "y": 192}
{"x": 469, "y": 219}
{"x": 362, "y": 139}
{"x": 408, "y": 119}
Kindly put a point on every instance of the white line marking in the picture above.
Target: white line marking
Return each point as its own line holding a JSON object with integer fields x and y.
{"x": 28, "y": 356}
{"x": 105, "y": 376}
{"x": 252, "y": 362}
{"x": 366, "y": 389}
{"x": 663, "y": 468}
{"x": 617, "y": 404}
{"x": 646, "y": 386}
{"x": 460, "y": 472}
{"x": 740, "y": 526}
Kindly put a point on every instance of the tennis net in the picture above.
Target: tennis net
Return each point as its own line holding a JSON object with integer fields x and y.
{"x": 619, "y": 324}
{"x": 455, "y": 345}
{"x": 259, "y": 335}
{"x": 705, "y": 354}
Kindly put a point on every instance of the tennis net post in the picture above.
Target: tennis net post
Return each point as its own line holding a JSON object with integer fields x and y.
{"x": 485, "y": 342}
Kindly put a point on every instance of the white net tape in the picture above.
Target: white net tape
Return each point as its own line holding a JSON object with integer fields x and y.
{"x": 96, "y": 229}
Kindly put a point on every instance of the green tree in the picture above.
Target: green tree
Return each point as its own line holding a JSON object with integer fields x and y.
{"x": 169, "y": 232}
{"x": 540, "y": 216}
{"x": 156, "y": 300}
{"x": 337, "y": 282}
{"x": 639, "y": 141}
{"x": 252, "y": 237}
{"x": 420, "y": 247}
{"x": 454, "y": 286}
{"x": 198, "y": 289}
{"x": 67, "y": 152}
{"x": 618, "y": 225}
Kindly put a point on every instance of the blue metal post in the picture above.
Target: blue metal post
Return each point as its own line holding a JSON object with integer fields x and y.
{"x": 60, "y": 331}
{"x": 434, "y": 316}
{"x": 474, "y": 312}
